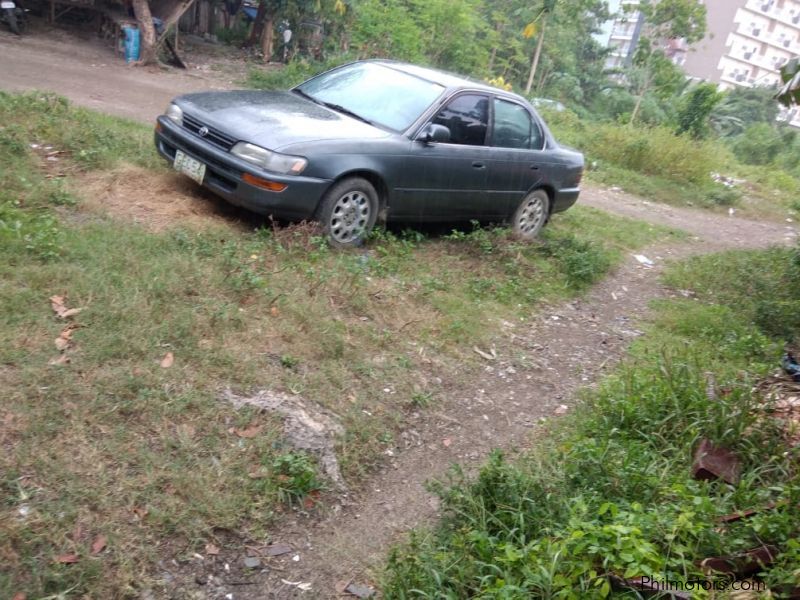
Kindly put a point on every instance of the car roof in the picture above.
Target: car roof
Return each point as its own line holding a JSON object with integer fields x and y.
{"x": 448, "y": 80}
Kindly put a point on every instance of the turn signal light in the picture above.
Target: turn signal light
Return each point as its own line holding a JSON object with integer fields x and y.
{"x": 265, "y": 184}
{"x": 159, "y": 127}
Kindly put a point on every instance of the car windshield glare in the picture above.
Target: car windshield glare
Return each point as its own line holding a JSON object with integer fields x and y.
{"x": 381, "y": 95}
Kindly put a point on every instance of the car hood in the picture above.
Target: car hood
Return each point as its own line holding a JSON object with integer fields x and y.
{"x": 273, "y": 119}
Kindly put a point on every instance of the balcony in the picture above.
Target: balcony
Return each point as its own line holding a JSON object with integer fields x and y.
{"x": 785, "y": 44}
{"x": 772, "y": 11}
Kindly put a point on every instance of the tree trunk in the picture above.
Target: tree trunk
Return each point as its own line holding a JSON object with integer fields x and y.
{"x": 536, "y": 56}
{"x": 258, "y": 25}
{"x": 267, "y": 37}
{"x": 141, "y": 9}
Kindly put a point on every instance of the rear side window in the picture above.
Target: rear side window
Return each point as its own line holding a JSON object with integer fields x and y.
{"x": 467, "y": 118}
{"x": 514, "y": 127}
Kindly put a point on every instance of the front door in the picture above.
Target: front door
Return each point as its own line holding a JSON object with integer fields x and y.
{"x": 447, "y": 180}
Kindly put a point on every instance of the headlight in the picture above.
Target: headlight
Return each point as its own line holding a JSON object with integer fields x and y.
{"x": 175, "y": 113}
{"x": 268, "y": 160}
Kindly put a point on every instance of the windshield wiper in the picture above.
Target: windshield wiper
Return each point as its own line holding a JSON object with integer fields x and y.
{"x": 347, "y": 111}
{"x": 333, "y": 106}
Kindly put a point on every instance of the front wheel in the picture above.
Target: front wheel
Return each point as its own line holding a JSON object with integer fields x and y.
{"x": 11, "y": 19}
{"x": 348, "y": 212}
{"x": 531, "y": 215}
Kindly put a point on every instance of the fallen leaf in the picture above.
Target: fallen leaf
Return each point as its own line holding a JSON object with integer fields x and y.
{"x": 167, "y": 361}
{"x": 66, "y": 559}
{"x": 63, "y": 340}
{"x": 211, "y": 549}
{"x": 274, "y": 311}
{"x": 19, "y": 596}
{"x": 446, "y": 442}
{"x": 486, "y": 355}
{"x": 62, "y": 359}
{"x": 309, "y": 503}
{"x": 562, "y": 409}
{"x": 140, "y": 512}
{"x": 250, "y": 431}
{"x": 278, "y": 549}
{"x": 57, "y": 304}
{"x": 99, "y": 544}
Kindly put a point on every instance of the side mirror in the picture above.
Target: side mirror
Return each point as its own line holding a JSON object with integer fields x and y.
{"x": 434, "y": 132}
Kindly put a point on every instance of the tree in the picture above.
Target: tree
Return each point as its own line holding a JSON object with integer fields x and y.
{"x": 789, "y": 94}
{"x": 169, "y": 11}
{"x": 696, "y": 108}
{"x": 742, "y": 107}
{"x": 663, "y": 20}
{"x": 547, "y": 8}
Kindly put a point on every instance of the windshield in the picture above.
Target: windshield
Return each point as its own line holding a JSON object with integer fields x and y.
{"x": 374, "y": 93}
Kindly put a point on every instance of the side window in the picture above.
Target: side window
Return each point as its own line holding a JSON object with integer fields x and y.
{"x": 514, "y": 128}
{"x": 467, "y": 118}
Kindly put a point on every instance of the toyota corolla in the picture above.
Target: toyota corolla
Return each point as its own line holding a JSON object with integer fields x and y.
{"x": 375, "y": 140}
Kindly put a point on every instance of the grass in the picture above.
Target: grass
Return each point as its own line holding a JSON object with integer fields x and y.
{"x": 608, "y": 489}
{"x": 654, "y": 163}
{"x": 114, "y": 444}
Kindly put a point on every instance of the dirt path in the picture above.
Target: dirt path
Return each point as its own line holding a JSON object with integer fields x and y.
{"x": 86, "y": 70}
{"x": 539, "y": 367}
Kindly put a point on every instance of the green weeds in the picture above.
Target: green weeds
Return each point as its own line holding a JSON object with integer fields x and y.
{"x": 608, "y": 489}
{"x": 113, "y": 443}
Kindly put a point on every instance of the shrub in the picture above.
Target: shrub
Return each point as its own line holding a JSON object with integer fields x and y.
{"x": 758, "y": 145}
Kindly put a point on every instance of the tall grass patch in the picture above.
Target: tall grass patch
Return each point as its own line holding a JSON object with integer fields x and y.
{"x": 607, "y": 490}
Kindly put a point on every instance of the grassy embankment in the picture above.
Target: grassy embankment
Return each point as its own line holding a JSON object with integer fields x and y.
{"x": 113, "y": 444}
{"x": 608, "y": 490}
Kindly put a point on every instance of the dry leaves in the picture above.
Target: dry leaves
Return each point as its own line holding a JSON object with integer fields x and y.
{"x": 61, "y": 359}
{"x": 211, "y": 549}
{"x": 64, "y": 339}
{"x": 167, "y": 361}
{"x": 62, "y": 312}
{"x": 66, "y": 559}
{"x": 250, "y": 431}
{"x": 274, "y": 311}
{"x": 19, "y": 596}
{"x": 139, "y": 512}
{"x": 99, "y": 544}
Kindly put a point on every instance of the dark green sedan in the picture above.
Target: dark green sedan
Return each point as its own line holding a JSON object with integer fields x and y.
{"x": 375, "y": 139}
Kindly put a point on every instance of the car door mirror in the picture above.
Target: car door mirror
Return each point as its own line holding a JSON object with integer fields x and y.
{"x": 434, "y": 132}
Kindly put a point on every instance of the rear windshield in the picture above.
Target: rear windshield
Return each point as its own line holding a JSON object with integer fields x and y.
{"x": 379, "y": 94}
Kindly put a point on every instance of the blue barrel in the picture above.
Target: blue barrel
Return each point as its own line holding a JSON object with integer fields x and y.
{"x": 131, "y": 42}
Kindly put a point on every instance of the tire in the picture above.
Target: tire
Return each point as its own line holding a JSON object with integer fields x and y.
{"x": 531, "y": 215}
{"x": 11, "y": 19}
{"x": 348, "y": 212}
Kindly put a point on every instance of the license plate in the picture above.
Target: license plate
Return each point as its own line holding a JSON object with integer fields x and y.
{"x": 189, "y": 166}
{"x": 7, "y": 5}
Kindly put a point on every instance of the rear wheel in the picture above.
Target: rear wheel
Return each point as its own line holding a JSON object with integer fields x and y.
{"x": 348, "y": 212}
{"x": 531, "y": 215}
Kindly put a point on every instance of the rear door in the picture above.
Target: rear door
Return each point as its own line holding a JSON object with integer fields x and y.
{"x": 518, "y": 142}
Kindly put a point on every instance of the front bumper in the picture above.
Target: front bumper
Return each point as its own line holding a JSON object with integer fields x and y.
{"x": 224, "y": 173}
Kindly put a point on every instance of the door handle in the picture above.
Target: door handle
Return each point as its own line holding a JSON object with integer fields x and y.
{"x": 478, "y": 165}
{"x": 534, "y": 167}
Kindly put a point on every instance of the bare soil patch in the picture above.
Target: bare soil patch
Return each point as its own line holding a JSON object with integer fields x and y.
{"x": 158, "y": 200}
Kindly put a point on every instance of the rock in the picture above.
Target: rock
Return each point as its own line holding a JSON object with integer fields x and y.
{"x": 360, "y": 591}
{"x": 252, "y": 562}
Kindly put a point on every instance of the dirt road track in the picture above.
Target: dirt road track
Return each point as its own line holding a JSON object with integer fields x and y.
{"x": 88, "y": 73}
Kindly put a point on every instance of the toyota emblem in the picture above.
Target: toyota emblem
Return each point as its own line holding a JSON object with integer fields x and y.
{"x": 203, "y": 131}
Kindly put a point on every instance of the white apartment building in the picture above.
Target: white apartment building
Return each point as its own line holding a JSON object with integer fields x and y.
{"x": 621, "y": 33}
{"x": 746, "y": 43}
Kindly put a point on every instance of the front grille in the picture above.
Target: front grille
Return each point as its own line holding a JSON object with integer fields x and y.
{"x": 213, "y": 136}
